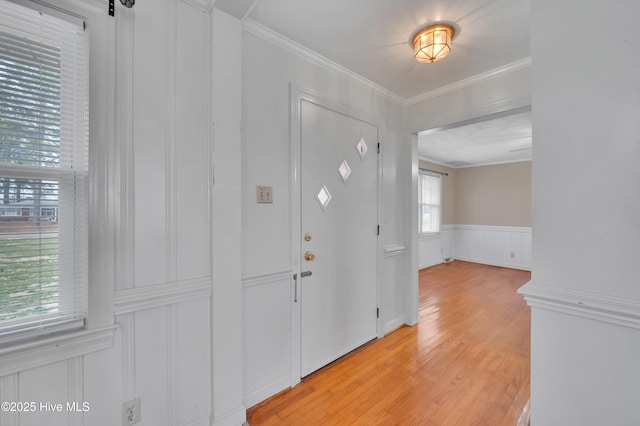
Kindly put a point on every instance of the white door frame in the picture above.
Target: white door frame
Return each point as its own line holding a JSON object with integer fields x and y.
{"x": 297, "y": 96}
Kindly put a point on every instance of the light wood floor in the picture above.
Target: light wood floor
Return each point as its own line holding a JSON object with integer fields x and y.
{"x": 465, "y": 363}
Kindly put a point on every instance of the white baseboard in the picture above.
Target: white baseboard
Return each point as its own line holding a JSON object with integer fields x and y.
{"x": 393, "y": 325}
{"x": 430, "y": 263}
{"x": 495, "y": 263}
{"x": 267, "y": 391}
{"x": 504, "y": 246}
{"x": 235, "y": 417}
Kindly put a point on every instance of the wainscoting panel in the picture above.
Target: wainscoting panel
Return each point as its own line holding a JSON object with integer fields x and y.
{"x": 47, "y": 384}
{"x": 191, "y": 367}
{"x": 430, "y": 249}
{"x": 392, "y": 311}
{"x": 592, "y": 342}
{"x": 266, "y": 301}
{"x": 504, "y": 246}
{"x": 166, "y": 353}
{"x": 153, "y": 372}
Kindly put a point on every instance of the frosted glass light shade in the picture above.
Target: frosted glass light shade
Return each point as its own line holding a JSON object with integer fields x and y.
{"x": 433, "y": 43}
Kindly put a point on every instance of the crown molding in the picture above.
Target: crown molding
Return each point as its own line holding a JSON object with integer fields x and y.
{"x": 294, "y": 48}
{"x": 478, "y": 78}
{"x": 428, "y": 160}
{"x": 469, "y": 166}
{"x": 205, "y": 5}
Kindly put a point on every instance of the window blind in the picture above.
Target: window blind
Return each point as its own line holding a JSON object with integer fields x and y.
{"x": 430, "y": 203}
{"x": 43, "y": 172}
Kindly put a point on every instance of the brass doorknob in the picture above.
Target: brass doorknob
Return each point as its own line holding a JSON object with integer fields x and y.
{"x": 308, "y": 256}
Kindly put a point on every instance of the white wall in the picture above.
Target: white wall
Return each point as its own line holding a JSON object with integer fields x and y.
{"x": 491, "y": 93}
{"x": 505, "y": 246}
{"x": 269, "y": 67}
{"x": 226, "y": 344}
{"x": 165, "y": 228}
{"x": 434, "y": 248}
{"x": 430, "y": 249}
{"x": 585, "y": 291}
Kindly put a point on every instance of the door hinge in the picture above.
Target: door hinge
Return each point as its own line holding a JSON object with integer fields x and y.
{"x": 378, "y": 147}
{"x": 377, "y": 312}
{"x": 378, "y": 230}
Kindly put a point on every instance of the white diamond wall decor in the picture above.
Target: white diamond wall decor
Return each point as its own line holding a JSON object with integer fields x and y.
{"x": 362, "y": 148}
{"x": 344, "y": 170}
{"x": 324, "y": 197}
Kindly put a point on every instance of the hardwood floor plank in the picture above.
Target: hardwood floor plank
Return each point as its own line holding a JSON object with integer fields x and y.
{"x": 465, "y": 363}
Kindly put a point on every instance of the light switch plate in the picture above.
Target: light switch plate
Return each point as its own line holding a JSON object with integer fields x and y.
{"x": 264, "y": 194}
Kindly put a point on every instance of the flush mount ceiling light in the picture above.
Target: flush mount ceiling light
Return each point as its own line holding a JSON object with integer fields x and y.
{"x": 433, "y": 43}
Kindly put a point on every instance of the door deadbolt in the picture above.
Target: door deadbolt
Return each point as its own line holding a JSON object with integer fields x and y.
{"x": 308, "y": 256}
{"x": 307, "y": 236}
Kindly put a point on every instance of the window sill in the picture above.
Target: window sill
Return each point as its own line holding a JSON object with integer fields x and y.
{"x": 26, "y": 356}
{"x": 430, "y": 236}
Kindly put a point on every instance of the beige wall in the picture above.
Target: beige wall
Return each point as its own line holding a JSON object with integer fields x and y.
{"x": 448, "y": 191}
{"x": 498, "y": 195}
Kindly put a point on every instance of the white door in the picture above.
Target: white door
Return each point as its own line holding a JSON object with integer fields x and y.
{"x": 339, "y": 227}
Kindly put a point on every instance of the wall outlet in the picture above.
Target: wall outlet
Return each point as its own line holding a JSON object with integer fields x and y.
{"x": 513, "y": 255}
{"x": 264, "y": 194}
{"x": 131, "y": 413}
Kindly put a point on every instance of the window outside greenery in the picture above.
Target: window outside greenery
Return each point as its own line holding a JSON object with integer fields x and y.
{"x": 29, "y": 135}
{"x": 43, "y": 151}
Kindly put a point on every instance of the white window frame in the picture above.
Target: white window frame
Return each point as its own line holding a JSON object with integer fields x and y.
{"x": 421, "y": 204}
{"x": 104, "y": 165}
{"x": 64, "y": 306}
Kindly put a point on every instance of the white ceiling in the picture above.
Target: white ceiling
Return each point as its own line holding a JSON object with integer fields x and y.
{"x": 498, "y": 140}
{"x": 373, "y": 38}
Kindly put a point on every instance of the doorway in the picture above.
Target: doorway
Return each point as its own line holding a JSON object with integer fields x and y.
{"x": 484, "y": 196}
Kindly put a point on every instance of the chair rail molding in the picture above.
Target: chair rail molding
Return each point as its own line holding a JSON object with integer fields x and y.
{"x": 132, "y": 300}
{"x": 585, "y": 304}
{"x": 255, "y": 277}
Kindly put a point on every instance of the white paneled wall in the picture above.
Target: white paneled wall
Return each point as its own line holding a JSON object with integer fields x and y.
{"x": 506, "y": 246}
{"x": 266, "y": 334}
{"x": 163, "y": 301}
{"x": 272, "y": 68}
{"x": 585, "y": 289}
{"x": 431, "y": 250}
{"x": 153, "y": 182}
